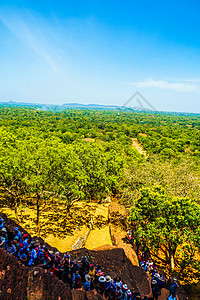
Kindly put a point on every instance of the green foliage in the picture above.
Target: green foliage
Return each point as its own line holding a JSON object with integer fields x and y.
{"x": 167, "y": 223}
{"x": 54, "y": 159}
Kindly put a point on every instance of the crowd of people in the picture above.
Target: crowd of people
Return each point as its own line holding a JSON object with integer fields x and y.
{"x": 158, "y": 280}
{"x": 76, "y": 273}
{"x": 79, "y": 273}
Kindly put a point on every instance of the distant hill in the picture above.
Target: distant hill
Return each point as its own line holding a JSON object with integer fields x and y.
{"x": 60, "y": 107}
{"x": 55, "y": 107}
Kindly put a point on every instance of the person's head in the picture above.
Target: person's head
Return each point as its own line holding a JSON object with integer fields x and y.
{"x": 2, "y": 233}
{"x": 16, "y": 229}
{"x": 91, "y": 266}
{"x": 76, "y": 272}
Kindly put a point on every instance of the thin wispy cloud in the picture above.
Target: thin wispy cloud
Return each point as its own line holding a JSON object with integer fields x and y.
{"x": 30, "y": 33}
{"x": 180, "y": 86}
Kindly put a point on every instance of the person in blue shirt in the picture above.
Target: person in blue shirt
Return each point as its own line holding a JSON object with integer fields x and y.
{"x": 10, "y": 248}
{"x": 2, "y": 242}
{"x": 87, "y": 284}
{"x": 1, "y": 224}
{"x": 107, "y": 285}
{"x": 18, "y": 233}
{"x": 173, "y": 288}
{"x": 25, "y": 242}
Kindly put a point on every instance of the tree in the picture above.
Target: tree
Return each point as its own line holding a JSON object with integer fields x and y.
{"x": 13, "y": 186}
{"x": 167, "y": 224}
{"x": 41, "y": 171}
{"x": 70, "y": 178}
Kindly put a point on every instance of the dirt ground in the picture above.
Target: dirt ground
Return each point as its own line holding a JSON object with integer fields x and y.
{"x": 64, "y": 235}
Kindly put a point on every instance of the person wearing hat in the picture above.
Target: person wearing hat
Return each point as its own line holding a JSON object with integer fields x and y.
{"x": 18, "y": 233}
{"x": 57, "y": 259}
{"x": 129, "y": 295}
{"x": 124, "y": 291}
{"x": 87, "y": 285}
{"x": 101, "y": 285}
{"x": 173, "y": 287}
{"x": 155, "y": 289}
{"x": 3, "y": 233}
{"x": 107, "y": 285}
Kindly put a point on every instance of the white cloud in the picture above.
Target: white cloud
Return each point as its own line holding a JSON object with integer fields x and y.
{"x": 180, "y": 86}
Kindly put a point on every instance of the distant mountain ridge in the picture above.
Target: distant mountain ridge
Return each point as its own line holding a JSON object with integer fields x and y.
{"x": 61, "y": 107}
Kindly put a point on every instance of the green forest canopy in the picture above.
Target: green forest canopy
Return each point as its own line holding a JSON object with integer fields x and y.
{"x": 87, "y": 155}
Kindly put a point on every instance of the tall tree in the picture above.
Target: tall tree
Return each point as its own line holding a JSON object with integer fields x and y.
{"x": 167, "y": 224}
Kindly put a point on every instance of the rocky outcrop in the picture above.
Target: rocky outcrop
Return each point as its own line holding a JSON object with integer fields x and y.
{"x": 114, "y": 262}
{"x": 19, "y": 283}
{"x": 117, "y": 215}
{"x": 119, "y": 239}
{"x": 13, "y": 278}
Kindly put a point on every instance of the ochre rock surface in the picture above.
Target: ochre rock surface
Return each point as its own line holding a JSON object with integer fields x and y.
{"x": 19, "y": 283}
{"x": 117, "y": 215}
{"x": 114, "y": 262}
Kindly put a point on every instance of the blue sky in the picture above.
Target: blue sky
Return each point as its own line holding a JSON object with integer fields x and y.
{"x": 101, "y": 52}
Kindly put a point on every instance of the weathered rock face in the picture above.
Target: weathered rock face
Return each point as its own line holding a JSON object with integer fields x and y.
{"x": 114, "y": 262}
{"x": 118, "y": 226}
{"x": 119, "y": 239}
{"x": 19, "y": 283}
{"x": 42, "y": 285}
{"x": 13, "y": 277}
{"x": 117, "y": 215}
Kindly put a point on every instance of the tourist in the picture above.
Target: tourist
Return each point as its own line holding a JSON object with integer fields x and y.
{"x": 2, "y": 242}
{"x": 87, "y": 284}
{"x": 173, "y": 287}
{"x": 18, "y": 233}
{"x": 10, "y": 248}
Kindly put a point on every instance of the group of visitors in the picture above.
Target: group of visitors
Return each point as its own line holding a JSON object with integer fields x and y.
{"x": 76, "y": 273}
{"x": 80, "y": 273}
{"x": 158, "y": 280}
